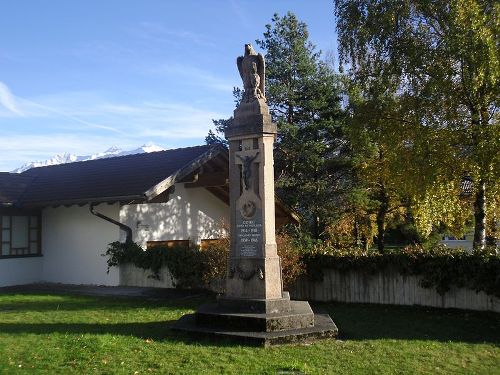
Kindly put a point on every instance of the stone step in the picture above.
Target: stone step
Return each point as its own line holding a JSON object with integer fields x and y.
{"x": 323, "y": 328}
{"x": 298, "y": 315}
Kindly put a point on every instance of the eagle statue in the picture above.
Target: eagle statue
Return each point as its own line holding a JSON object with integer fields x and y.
{"x": 252, "y": 68}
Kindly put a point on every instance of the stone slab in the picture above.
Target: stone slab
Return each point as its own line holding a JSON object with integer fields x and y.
{"x": 299, "y": 315}
{"x": 248, "y": 305}
{"x": 323, "y": 328}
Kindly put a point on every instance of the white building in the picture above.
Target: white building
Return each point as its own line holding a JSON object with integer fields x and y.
{"x": 57, "y": 221}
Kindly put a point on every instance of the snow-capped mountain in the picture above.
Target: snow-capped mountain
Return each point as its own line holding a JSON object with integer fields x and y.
{"x": 70, "y": 158}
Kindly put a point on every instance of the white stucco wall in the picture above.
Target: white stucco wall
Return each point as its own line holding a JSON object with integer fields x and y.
{"x": 73, "y": 239}
{"x": 190, "y": 214}
{"x": 18, "y": 271}
{"x": 72, "y": 243}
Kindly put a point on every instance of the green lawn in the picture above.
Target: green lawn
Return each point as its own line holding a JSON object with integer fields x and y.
{"x": 58, "y": 334}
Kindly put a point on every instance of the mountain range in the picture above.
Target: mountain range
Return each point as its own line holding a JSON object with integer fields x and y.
{"x": 67, "y": 157}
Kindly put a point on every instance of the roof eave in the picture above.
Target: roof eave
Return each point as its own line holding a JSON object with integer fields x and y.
{"x": 136, "y": 198}
{"x": 190, "y": 167}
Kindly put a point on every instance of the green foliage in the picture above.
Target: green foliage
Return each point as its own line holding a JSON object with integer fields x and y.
{"x": 428, "y": 74}
{"x": 439, "y": 267}
{"x": 214, "y": 258}
{"x": 195, "y": 268}
{"x": 184, "y": 264}
{"x": 442, "y": 204}
{"x": 123, "y": 252}
{"x": 303, "y": 93}
{"x": 304, "y": 97}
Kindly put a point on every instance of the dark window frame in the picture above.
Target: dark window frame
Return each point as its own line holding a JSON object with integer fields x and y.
{"x": 24, "y": 252}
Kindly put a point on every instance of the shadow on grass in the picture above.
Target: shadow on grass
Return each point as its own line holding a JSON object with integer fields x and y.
{"x": 156, "y": 331}
{"x": 99, "y": 303}
{"x": 375, "y": 322}
{"x": 355, "y": 321}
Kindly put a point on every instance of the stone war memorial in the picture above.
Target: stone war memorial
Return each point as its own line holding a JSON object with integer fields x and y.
{"x": 254, "y": 308}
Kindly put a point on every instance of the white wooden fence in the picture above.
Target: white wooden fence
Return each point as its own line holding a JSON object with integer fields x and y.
{"x": 388, "y": 288}
{"x": 131, "y": 275}
{"x": 354, "y": 287}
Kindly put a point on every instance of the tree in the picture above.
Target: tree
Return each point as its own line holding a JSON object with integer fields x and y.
{"x": 221, "y": 125}
{"x": 217, "y": 137}
{"x": 304, "y": 99}
{"x": 440, "y": 59}
{"x": 379, "y": 154}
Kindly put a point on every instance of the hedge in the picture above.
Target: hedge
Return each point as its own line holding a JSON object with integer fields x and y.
{"x": 441, "y": 268}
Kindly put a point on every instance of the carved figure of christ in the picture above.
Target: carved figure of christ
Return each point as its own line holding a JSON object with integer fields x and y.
{"x": 246, "y": 159}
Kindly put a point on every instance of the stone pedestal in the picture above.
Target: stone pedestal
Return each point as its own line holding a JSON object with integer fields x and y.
{"x": 254, "y": 308}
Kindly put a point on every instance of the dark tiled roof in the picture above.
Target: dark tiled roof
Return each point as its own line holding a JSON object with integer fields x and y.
{"x": 124, "y": 176}
{"x": 12, "y": 185}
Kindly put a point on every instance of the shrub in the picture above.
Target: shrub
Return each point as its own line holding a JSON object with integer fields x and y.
{"x": 194, "y": 268}
{"x": 291, "y": 262}
{"x": 214, "y": 259}
{"x": 120, "y": 253}
{"x": 439, "y": 267}
{"x": 183, "y": 264}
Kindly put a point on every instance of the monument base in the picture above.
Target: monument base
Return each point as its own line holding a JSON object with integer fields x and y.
{"x": 266, "y": 306}
{"x": 247, "y": 322}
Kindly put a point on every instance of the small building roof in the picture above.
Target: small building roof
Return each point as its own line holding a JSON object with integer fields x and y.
{"x": 123, "y": 178}
{"x": 127, "y": 179}
{"x": 12, "y": 185}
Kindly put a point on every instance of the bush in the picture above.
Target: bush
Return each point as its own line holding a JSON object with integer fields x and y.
{"x": 214, "y": 259}
{"x": 183, "y": 264}
{"x": 194, "y": 268}
{"x": 291, "y": 261}
{"x": 439, "y": 267}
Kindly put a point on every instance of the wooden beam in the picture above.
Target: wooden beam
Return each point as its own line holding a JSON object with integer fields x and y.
{"x": 220, "y": 193}
{"x": 209, "y": 180}
{"x": 183, "y": 172}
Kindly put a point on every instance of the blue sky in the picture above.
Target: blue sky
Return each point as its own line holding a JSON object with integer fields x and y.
{"x": 82, "y": 76}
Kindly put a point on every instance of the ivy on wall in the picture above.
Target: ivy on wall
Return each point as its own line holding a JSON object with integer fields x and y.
{"x": 441, "y": 268}
{"x": 184, "y": 264}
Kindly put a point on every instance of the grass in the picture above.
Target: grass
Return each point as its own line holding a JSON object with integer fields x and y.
{"x": 58, "y": 334}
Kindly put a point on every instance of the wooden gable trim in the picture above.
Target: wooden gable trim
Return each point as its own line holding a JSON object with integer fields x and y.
{"x": 184, "y": 171}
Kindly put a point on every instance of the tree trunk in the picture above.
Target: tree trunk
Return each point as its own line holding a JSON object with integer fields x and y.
{"x": 357, "y": 241}
{"x": 364, "y": 243}
{"x": 381, "y": 216}
{"x": 492, "y": 232}
{"x": 480, "y": 217}
{"x": 380, "y": 231}
{"x": 315, "y": 229}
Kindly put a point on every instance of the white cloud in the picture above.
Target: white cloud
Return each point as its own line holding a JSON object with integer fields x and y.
{"x": 28, "y": 108}
{"x": 70, "y": 117}
{"x": 8, "y": 101}
{"x": 158, "y": 32}
{"x": 84, "y": 122}
{"x": 193, "y": 75}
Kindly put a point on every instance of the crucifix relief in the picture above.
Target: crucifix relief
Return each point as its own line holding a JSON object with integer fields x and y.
{"x": 249, "y": 222}
{"x": 248, "y": 161}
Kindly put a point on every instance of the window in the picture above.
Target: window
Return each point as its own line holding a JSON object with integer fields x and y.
{"x": 20, "y": 235}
